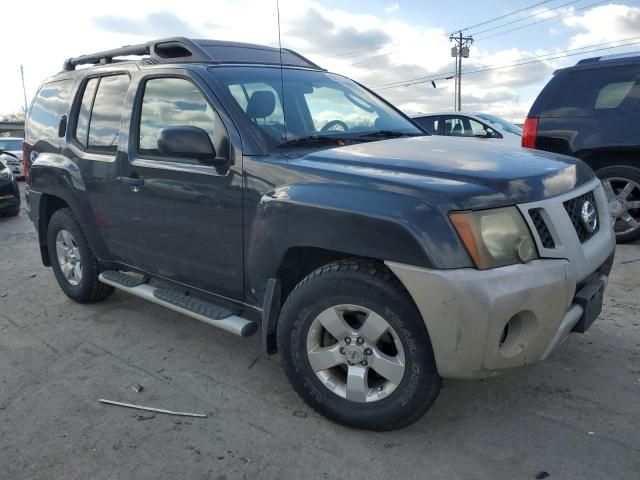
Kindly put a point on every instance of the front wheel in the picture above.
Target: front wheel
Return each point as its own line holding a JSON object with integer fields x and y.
{"x": 356, "y": 349}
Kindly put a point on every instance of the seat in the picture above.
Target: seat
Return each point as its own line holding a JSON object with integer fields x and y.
{"x": 457, "y": 130}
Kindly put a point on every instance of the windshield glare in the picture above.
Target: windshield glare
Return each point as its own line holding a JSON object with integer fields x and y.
{"x": 501, "y": 122}
{"x": 11, "y": 145}
{"x": 315, "y": 103}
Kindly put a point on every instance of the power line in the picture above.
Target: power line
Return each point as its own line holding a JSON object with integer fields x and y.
{"x": 548, "y": 57}
{"x": 373, "y": 49}
{"x": 555, "y": 17}
{"x": 527, "y": 17}
{"x": 491, "y": 20}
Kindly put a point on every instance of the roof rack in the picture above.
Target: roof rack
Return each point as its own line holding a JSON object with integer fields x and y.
{"x": 606, "y": 58}
{"x": 183, "y": 50}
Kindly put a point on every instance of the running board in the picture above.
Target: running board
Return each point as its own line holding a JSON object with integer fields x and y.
{"x": 192, "y": 307}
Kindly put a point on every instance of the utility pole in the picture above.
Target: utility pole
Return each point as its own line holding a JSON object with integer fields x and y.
{"x": 460, "y": 51}
{"x": 24, "y": 91}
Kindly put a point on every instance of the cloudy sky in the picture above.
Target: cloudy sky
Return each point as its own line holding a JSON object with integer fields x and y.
{"x": 381, "y": 43}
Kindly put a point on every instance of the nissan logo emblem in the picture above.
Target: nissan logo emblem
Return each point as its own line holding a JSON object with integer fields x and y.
{"x": 589, "y": 216}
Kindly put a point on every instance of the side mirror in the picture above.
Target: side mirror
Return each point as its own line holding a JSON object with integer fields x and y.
{"x": 483, "y": 134}
{"x": 188, "y": 142}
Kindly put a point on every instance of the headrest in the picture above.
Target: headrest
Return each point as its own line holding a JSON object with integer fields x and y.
{"x": 261, "y": 104}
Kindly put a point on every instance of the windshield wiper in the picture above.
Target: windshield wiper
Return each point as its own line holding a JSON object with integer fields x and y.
{"x": 312, "y": 140}
{"x": 387, "y": 134}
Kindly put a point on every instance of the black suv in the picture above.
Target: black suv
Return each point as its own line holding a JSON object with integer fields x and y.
{"x": 592, "y": 111}
{"x": 245, "y": 186}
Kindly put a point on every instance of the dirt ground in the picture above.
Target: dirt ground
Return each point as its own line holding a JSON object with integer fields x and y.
{"x": 574, "y": 416}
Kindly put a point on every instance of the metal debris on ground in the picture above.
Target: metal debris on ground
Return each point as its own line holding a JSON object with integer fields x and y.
{"x": 542, "y": 474}
{"x": 151, "y": 409}
{"x": 137, "y": 387}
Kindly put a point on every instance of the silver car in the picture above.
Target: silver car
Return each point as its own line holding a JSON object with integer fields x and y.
{"x": 12, "y": 145}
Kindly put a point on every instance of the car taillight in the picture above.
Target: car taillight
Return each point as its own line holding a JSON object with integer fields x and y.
{"x": 25, "y": 164}
{"x": 530, "y": 133}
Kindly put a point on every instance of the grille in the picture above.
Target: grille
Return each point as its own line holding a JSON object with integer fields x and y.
{"x": 541, "y": 227}
{"x": 573, "y": 208}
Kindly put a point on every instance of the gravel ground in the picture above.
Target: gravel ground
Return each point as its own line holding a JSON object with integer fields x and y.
{"x": 575, "y": 416}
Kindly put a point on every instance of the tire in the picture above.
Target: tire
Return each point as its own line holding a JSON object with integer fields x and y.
{"x": 85, "y": 287}
{"x": 622, "y": 186}
{"x": 14, "y": 212}
{"x": 371, "y": 287}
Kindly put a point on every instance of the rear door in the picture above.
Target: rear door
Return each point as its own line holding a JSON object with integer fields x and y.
{"x": 93, "y": 143}
{"x": 182, "y": 220}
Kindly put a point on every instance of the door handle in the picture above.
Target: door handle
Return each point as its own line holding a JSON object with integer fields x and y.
{"x": 135, "y": 183}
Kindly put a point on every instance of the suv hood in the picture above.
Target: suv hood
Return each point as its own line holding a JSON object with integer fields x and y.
{"x": 474, "y": 174}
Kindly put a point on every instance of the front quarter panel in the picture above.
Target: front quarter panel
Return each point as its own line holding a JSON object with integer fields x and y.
{"x": 354, "y": 216}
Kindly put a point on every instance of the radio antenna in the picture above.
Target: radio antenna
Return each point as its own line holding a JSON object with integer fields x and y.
{"x": 284, "y": 117}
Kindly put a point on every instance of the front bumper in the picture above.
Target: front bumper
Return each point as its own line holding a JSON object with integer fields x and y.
{"x": 466, "y": 310}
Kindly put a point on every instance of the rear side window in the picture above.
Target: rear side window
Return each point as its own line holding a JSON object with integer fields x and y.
{"x": 82, "y": 125}
{"x": 108, "y": 104}
{"x": 430, "y": 124}
{"x": 591, "y": 91}
{"x": 48, "y": 107}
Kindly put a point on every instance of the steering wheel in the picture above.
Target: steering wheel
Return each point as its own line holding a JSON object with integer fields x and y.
{"x": 334, "y": 123}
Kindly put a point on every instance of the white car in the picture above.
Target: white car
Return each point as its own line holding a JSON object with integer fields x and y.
{"x": 12, "y": 145}
{"x": 479, "y": 125}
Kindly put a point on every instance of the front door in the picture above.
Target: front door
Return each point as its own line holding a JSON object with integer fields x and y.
{"x": 183, "y": 218}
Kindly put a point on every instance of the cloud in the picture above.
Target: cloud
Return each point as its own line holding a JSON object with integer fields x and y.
{"x": 604, "y": 24}
{"x": 321, "y": 35}
{"x": 154, "y": 25}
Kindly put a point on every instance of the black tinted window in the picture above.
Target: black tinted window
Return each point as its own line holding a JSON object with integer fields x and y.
{"x": 587, "y": 92}
{"x": 172, "y": 102}
{"x": 50, "y": 104}
{"x": 82, "y": 126}
{"x": 430, "y": 124}
{"x": 104, "y": 126}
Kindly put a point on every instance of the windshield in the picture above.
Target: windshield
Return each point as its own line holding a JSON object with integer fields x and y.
{"x": 501, "y": 122}
{"x": 315, "y": 103}
{"x": 10, "y": 145}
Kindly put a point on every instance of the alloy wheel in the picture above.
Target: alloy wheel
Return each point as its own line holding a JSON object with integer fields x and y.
{"x": 69, "y": 258}
{"x": 355, "y": 353}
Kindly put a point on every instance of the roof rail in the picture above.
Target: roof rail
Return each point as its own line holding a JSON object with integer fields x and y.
{"x": 180, "y": 50}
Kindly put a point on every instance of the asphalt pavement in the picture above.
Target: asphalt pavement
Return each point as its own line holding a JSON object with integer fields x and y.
{"x": 574, "y": 416}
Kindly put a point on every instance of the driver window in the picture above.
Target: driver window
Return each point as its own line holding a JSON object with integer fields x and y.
{"x": 171, "y": 102}
{"x": 477, "y": 128}
{"x": 331, "y": 110}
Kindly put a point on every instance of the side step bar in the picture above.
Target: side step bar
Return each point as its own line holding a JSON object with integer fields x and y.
{"x": 178, "y": 302}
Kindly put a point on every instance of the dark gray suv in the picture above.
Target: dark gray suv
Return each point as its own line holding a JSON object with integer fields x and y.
{"x": 250, "y": 189}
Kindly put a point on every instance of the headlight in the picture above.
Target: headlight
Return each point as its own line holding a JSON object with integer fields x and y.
{"x": 495, "y": 238}
{"x": 5, "y": 174}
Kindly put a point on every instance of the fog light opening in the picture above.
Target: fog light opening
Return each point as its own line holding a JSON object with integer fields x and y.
{"x": 517, "y": 333}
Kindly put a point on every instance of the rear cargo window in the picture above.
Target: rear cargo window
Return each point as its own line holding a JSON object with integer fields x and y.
{"x": 47, "y": 109}
{"x": 104, "y": 126}
{"x": 589, "y": 91}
